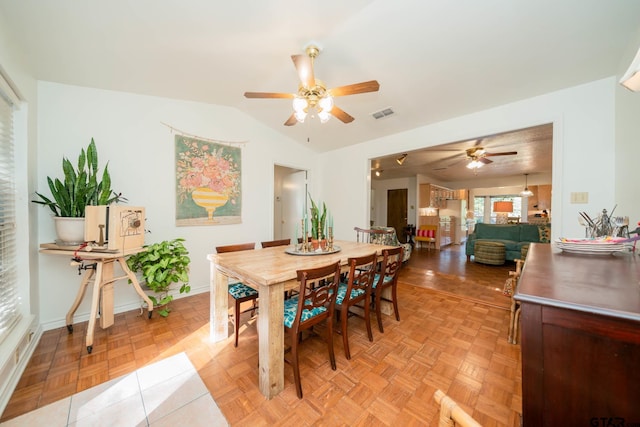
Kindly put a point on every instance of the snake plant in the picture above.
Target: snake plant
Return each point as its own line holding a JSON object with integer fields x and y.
{"x": 80, "y": 186}
{"x": 317, "y": 220}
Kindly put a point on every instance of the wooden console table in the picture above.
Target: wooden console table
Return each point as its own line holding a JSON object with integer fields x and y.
{"x": 102, "y": 296}
{"x": 580, "y": 343}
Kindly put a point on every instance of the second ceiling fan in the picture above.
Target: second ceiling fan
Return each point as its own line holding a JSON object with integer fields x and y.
{"x": 313, "y": 95}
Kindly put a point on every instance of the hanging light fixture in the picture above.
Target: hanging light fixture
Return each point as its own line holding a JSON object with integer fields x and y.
{"x": 631, "y": 79}
{"x": 400, "y": 160}
{"x": 526, "y": 192}
{"x": 379, "y": 172}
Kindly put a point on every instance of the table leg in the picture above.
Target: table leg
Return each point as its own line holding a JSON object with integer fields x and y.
{"x": 95, "y": 299}
{"x": 106, "y": 296}
{"x": 271, "y": 340}
{"x": 83, "y": 288}
{"x": 219, "y": 298}
{"x": 136, "y": 284}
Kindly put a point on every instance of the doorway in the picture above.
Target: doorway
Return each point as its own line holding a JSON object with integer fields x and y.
{"x": 397, "y": 211}
{"x": 290, "y": 191}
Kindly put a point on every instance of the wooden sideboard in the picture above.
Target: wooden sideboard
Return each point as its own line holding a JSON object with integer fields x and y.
{"x": 580, "y": 339}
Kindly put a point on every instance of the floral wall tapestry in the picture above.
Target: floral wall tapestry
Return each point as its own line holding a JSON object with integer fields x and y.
{"x": 208, "y": 182}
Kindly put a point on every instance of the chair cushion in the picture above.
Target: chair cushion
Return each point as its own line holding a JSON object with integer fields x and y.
{"x": 240, "y": 290}
{"x": 342, "y": 292}
{"x": 291, "y": 307}
{"x": 376, "y": 279}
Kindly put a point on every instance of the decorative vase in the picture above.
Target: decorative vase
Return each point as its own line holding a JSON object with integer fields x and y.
{"x": 70, "y": 231}
{"x": 209, "y": 199}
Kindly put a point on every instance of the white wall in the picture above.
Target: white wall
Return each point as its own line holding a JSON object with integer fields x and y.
{"x": 380, "y": 203}
{"x": 129, "y": 133}
{"x": 583, "y": 154}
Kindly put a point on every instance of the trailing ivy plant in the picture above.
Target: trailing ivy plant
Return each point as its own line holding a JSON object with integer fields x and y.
{"x": 161, "y": 265}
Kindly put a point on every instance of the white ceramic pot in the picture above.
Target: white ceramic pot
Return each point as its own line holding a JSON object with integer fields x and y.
{"x": 70, "y": 231}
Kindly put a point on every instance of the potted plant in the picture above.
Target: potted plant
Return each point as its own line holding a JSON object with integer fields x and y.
{"x": 161, "y": 265}
{"x": 80, "y": 188}
{"x": 317, "y": 223}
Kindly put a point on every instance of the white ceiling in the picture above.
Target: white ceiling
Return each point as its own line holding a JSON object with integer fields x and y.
{"x": 434, "y": 59}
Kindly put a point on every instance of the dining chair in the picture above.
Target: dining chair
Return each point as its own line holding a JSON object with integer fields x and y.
{"x": 273, "y": 243}
{"x": 514, "y": 318}
{"x": 238, "y": 290}
{"x": 314, "y": 304}
{"x": 387, "y": 278}
{"x": 451, "y": 414}
{"x": 356, "y": 292}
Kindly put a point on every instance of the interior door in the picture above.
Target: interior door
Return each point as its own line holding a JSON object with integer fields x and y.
{"x": 397, "y": 211}
{"x": 291, "y": 189}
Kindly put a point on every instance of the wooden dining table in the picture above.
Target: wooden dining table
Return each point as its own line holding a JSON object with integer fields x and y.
{"x": 271, "y": 271}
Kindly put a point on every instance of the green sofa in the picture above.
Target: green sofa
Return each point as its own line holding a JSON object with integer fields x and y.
{"x": 513, "y": 236}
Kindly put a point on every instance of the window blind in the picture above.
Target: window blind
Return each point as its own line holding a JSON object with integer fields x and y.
{"x": 9, "y": 312}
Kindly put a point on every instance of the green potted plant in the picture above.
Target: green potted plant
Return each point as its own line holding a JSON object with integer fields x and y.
{"x": 161, "y": 265}
{"x": 318, "y": 220}
{"x": 80, "y": 188}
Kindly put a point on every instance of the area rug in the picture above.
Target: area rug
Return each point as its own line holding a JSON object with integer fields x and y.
{"x": 167, "y": 393}
{"x": 487, "y": 292}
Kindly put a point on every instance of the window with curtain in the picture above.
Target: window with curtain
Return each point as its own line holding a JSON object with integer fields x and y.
{"x": 9, "y": 312}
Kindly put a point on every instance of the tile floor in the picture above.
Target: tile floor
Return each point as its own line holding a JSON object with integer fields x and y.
{"x": 167, "y": 393}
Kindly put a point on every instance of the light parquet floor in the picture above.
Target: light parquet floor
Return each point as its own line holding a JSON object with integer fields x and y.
{"x": 444, "y": 341}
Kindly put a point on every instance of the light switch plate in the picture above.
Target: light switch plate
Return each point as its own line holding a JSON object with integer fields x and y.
{"x": 580, "y": 197}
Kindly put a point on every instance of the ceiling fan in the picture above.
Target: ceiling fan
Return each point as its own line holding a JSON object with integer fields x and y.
{"x": 313, "y": 95}
{"x": 478, "y": 156}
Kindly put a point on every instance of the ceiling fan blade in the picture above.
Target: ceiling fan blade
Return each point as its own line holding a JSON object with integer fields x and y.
{"x": 268, "y": 95}
{"x": 304, "y": 66}
{"x": 364, "y": 87}
{"x": 341, "y": 115}
{"x": 291, "y": 120}
{"x": 485, "y": 161}
{"x": 506, "y": 153}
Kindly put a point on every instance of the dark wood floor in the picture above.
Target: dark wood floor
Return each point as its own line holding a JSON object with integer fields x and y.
{"x": 444, "y": 340}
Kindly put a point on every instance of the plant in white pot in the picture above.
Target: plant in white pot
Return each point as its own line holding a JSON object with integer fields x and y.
{"x": 161, "y": 265}
{"x": 79, "y": 189}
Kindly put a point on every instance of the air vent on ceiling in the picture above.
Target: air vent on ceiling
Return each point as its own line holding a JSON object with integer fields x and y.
{"x": 383, "y": 113}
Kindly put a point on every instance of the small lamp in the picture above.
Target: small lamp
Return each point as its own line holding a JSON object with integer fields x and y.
{"x": 502, "y": 210}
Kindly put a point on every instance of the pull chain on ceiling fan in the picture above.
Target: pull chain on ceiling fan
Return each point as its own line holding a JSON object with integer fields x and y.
{"x": 313, "y": 97}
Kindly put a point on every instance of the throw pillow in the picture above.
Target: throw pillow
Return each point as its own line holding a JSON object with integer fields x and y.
{"x": 544, "y": 231}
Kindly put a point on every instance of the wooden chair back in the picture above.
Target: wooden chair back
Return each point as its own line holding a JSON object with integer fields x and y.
{"x": 391, "y": 263}
{"x": 367, "y": 235}
{"x": 272, "y": 243}
{"x": 361, "y": 274}
{"x": 318, "y": 288}
{"x": 235, "y": 248}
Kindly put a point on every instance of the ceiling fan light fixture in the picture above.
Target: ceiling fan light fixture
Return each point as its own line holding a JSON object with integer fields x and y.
{"x": 300, "y": 104}
{"x": 326, "y": 103}
{"x": 300, "y": 116}
{"x": 400, "y": 160}
{"x": 475, "y": 164}
{"x": 324, "y": 116}
{"x": 379, "y": 172}
{"x": 526, "y": 192}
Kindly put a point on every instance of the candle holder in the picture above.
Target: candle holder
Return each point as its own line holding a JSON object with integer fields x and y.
{"x": 330, "y": 239}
